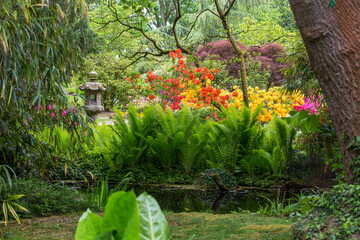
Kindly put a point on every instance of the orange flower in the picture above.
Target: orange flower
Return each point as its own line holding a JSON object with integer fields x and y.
{"x": 151, "y": 97}
{"x": 234, "y": 94}
{"x": 178, "y": 51}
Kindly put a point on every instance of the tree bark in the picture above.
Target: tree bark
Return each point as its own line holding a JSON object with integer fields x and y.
{"x": 237, "y": 49}
{"x": 332, "y": 38}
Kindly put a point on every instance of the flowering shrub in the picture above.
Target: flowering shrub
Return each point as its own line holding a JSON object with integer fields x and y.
{"x": 311, "y": 104}
{"x": 193, "y": 87}
{"x": 51, "y": 116}
{"x": 267, "y": 57}
{"x": 170, "y": 90}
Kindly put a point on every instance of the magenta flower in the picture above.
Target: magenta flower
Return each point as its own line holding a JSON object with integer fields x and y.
{"x": 52, "y": 114}
{"x": 35, "y": 108}
{"x": 49, "y": 107}
{"x": 75, "y": 123}
{"x": 63, "y": 113}
{"x": 310, "y": 105}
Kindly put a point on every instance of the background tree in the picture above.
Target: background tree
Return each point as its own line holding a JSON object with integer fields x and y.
{"x": 35, "y": 61}
{"x": 331, "y": 34}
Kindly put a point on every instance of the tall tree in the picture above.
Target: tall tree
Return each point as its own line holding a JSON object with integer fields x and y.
{"x": 35, "y": 60}
{"x": 223, "y": 17}
{"x": 331, "y": 33}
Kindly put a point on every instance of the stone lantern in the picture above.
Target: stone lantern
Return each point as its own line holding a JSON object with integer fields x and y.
{"x": 93, "y": 91}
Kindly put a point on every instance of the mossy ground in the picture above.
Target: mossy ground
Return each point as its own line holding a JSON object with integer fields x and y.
{"x": 182, "y": 226}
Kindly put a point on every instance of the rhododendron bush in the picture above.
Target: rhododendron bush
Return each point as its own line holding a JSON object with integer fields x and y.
{"x": 193, "y": 87}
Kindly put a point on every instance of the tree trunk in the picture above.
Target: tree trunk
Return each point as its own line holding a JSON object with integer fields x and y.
{"x": 238, "y": 50}
{"x": 331, "y": 33}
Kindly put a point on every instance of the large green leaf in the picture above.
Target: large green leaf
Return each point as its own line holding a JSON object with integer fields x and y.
{"x": 88, "y": 227}
{"x": 121, "y": 214}
{"x": 153, "y": 225}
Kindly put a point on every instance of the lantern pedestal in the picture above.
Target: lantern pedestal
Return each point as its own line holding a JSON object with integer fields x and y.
{"x": 93, "y": 91}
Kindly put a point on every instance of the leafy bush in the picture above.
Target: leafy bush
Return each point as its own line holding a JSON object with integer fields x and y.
{"x": 267, "y": 55}
{"x": 148, "y": 173}
{"x": 125, "y": 217}
{"x": 334, "y": 216}
{"x": 206, "y": 180}
{"x": 222, "y": 79}
{"x": 44, "y": 199}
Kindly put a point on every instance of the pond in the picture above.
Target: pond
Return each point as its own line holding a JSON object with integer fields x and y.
{"x": 185, "y": 200}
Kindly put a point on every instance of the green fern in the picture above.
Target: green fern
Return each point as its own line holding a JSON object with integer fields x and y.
{"x": 130, "y": 143}
{"x": 236, "y": 137}
{"x": 165, "y": 148}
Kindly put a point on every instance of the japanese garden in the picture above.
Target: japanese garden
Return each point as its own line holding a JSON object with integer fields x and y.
{"x": 178, "y": 119}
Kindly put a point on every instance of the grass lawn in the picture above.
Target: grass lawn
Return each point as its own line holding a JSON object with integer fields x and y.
{"x": 182, "y": 226}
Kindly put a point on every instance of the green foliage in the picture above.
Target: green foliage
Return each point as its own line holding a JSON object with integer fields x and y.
{"x": 257, "y": 77}
{"x": 44, "y": 199}
{"x": 206, "y": 180}
{"x": 355, "y": 163}
{"x": 150, "y": 173}
{"x": 234, "y": 139}
{"x": 274, "y": 207}
{"x": 130, "y": 144}
{"x": 38, "y": 53}
{"x": 281, "y": 134}
{"x": 334, "y": 216}
{"x": 125, "y": 217}
{"x": 192, "y": 150}
{"x": 103, "y": 191}
{"x": 255, "y": 32}
{"x": 166, "y": 148}
{"x": 299, "y": 75}
{"x": 8, "y": 201}
{"x": 221, "y": 79}
{"x": 303, "y": 205}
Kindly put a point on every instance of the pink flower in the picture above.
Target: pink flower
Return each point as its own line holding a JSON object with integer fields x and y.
{"x": 35, "y": 108}
{"x": 52, "y": 114}
{"x": 63, "y": 113}
{"x": 71, "y": 109}
{"x": 75, "y": 123}
{"x": 49, "y": 107}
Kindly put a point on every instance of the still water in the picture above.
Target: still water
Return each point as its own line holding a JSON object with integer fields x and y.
{"x": 180, "y": 200}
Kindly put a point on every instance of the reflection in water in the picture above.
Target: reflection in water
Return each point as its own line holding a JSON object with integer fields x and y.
{"x": 179, "y": 200}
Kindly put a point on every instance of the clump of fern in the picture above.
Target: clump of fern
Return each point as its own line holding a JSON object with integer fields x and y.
{"x": 130, "y": 142}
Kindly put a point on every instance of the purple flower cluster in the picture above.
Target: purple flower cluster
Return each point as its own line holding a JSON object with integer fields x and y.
{"x": 311, "y": 104}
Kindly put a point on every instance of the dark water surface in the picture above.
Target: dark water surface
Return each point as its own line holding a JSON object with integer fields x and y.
{"x": 180, "y": 200}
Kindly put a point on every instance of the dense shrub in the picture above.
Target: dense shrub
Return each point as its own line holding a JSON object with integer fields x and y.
{"x": 206, "y": 180}
{"x": 267, "y": 55}
{"x": 44, "y": 199}
{"x": 335, "y": 216}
